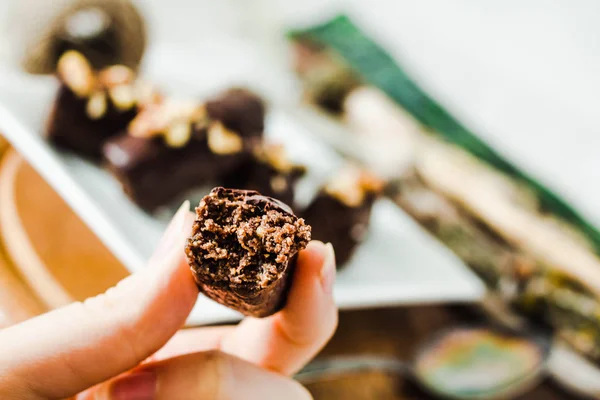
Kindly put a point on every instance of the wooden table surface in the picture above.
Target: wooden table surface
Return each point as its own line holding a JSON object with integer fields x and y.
{"x": 36, "y": 225}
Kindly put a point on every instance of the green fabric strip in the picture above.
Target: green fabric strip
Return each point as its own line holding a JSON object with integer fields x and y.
{"x": 379, "y": 69}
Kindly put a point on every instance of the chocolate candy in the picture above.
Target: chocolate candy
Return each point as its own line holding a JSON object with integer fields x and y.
{"x": 172, "y": 147}
{"x": 92, "y": 106}
{"x": 341, "y": 211}
{"x": 243, "y": 250}
{"x": 269, "y": 172}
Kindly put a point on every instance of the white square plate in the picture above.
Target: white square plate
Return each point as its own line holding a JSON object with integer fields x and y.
{"x": 398, "y": 263}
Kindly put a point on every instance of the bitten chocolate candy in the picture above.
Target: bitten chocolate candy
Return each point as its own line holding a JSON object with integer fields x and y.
{"x": 243, "y": 250}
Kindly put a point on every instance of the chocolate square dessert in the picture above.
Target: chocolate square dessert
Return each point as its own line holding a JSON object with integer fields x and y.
{"x": 172, "y": 147}
{"x": 341, "y": 211}
{"x": 268, "y": 171}
{"x": 92, "y": 106}
{"x": 243, "y": 250}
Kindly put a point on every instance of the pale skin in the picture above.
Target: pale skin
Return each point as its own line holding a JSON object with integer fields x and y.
{"x": 128, "y": 344}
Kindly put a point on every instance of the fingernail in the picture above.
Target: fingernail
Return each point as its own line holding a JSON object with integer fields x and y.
{"x": 173, "y": 232}
{"x": 137, "y": 386}
{"x": 328, "y": 270}
{"x": 176, "y": 224}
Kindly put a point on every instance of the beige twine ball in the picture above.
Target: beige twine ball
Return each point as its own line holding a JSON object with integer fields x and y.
{"x": 107, "y": 32}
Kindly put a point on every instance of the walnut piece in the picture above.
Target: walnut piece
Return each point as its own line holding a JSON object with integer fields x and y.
{"x": 178, "y": 134}
{"x": 116, "y": 75}
{"x": 146, "y": 93}
{"x": 96, "y": 105}
{"x": 123, "y": 97}
{"x": 351, "y": 186}
{"x": 77, "y": 73}
{"x": 222, "y": 141}
{"x": 156, "y": 118}
{"x": 275, "y": 155}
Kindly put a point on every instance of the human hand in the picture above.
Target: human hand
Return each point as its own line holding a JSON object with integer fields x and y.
{"x": 125, "y": 344}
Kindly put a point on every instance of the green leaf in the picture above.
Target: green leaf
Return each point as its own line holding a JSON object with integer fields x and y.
{"x": 378, "y": 68}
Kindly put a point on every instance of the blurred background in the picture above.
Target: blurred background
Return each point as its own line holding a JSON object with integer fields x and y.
{"x": 521, "y": 75}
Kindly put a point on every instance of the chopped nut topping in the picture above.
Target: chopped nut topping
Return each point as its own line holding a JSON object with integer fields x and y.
{"x": 146, "y": 124}
{"x": 146, "y": 93}
{"x": 77, "y": 73}
{"x": 172, "y": 119}
{"x": 116, "y": 75}
{"x": 201, "y": 117}
{"x": 123, "y": 97}
{"x": 223, "y": 141}
{"x": 279, "y": 184}
{"x": 275, "y": 155}
{"x": 96, "y": 105}
{"x": 352, "y": 185}
{"x": 178, "y": 134}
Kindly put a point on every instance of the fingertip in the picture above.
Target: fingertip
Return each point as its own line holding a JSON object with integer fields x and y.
{"x": 317, "y": 261}
{"x": 173, "y": 237}
{"x": 190, "y": 217}
{"x": 312, "y": 257}
{"x": 328, "y": 269}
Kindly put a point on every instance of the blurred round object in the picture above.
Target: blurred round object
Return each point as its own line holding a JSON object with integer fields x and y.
{"x": 481, "y": 363}
{"x": 107, "y": 32}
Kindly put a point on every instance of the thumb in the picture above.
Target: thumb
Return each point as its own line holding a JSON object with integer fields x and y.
{"x": 70, "y": 349}
{"x": 207, "y": 375}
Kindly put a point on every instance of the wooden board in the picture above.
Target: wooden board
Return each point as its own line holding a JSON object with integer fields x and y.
{"x": 51, "y": 247}
{"x": 3, "y": 145}
{"x": 17, "y": 301}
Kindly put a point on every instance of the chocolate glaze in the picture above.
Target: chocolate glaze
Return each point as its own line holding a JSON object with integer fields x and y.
{"x": 69, "y": 127}
{"x": 154, "y": 174}
{"x": 240, "y": 111}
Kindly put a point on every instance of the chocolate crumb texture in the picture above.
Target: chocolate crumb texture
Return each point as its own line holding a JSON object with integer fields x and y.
{"x": 243, "y": 250}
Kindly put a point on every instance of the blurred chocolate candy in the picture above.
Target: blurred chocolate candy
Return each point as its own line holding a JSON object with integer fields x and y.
{"x": 106, "y": 32}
